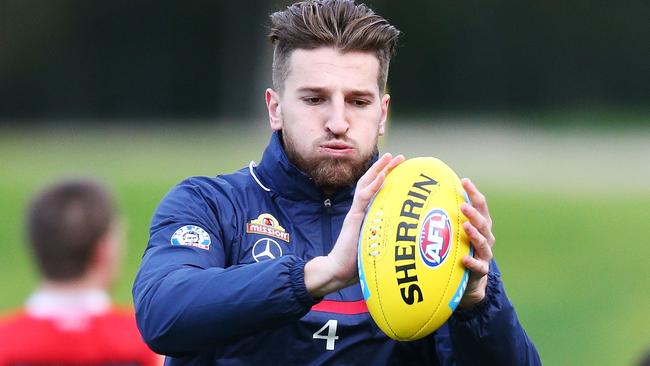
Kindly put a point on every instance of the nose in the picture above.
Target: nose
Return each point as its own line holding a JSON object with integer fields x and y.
{"x": 337, "y": 121}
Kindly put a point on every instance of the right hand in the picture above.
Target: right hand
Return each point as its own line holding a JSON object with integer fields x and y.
{"x": 338, "y": 269}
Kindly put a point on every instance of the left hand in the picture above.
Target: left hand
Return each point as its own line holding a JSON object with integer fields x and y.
{"x": 479, "y": 230}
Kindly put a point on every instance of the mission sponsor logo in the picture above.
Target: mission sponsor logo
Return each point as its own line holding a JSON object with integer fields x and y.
{"x": 435, "y": 238}
{"x": 266, "y": 224}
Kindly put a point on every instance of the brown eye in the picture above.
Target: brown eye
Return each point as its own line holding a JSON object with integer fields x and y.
{"x": 313, "y": 100}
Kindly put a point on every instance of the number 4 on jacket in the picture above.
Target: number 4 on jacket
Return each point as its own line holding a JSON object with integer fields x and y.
{"x": 331, "y": 336}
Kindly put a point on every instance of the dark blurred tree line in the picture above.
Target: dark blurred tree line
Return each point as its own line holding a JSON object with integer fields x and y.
{"x": 63, "y": 59}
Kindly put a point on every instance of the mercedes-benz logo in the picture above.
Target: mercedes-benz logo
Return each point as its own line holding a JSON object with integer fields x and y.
{"x": 266, "y": 248}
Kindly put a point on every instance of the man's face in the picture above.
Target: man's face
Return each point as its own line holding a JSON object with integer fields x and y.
{"x": 331, "y": 113}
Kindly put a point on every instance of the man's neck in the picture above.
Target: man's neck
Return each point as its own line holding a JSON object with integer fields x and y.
{"x": 328, "y": 192}
{"x": 85, "y": 283}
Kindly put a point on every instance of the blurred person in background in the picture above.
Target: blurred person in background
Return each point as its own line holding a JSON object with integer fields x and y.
{"x": 259, "y": 267}
{"x": 645, "y": 360}
{"x": 75, "y": 239}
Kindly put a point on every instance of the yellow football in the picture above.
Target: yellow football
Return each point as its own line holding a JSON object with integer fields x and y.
{"x": 410, "y": 249}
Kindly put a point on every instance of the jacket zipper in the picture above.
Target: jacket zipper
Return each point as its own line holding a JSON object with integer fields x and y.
{"x": 326, "y": 226}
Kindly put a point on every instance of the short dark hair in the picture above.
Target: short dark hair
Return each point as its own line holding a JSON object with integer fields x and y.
{"x": 336, "y": 23}
{"x": 65, "y": 222}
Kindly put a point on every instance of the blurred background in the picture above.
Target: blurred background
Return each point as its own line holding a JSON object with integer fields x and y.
{"x": 545, "y": 105}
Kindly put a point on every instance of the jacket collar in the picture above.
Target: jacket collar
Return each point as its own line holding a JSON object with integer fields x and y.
{"x": 70, "y": 310}
{"x": 279, "y": 175}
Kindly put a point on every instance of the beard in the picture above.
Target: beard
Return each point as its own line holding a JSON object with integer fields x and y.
{"x": 329, "y": 173}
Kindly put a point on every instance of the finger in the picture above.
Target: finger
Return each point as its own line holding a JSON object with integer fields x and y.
{"x": 482, "y": 248}
{"x": 393, "y": 163}
{"x": 375, "y": 185}
{"x": 379, "y": 165}
{"x": 364, "y": 194}
{"x": 477, "y": 198}
{"x": 372, "y": 184}
{"x": 476, "y": 266}
{"x": 374, "y": 169}
{"x": 483, "y": 225}
{"x": 385, "y": 164}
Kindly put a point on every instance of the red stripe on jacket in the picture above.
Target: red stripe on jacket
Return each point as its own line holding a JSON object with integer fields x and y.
{"x": 341, "y": 307}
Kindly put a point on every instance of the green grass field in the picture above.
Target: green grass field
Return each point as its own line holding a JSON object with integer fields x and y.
{"x": 574, "y": 260}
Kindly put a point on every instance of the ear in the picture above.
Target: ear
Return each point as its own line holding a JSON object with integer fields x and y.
{"x": 385, "y": 101}
{"x": 105, "y": 259}
{"x": 102, "y": 253}
{"x": 274, "y": 109}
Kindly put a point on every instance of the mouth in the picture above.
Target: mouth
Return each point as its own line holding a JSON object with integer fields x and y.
{"x": 336, "y": 148}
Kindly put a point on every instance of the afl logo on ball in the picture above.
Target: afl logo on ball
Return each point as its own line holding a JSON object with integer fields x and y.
{"x": 435, "y": 237}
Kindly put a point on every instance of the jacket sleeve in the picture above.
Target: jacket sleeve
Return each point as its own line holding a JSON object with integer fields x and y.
{"x": 490, "y": 333}
{"x": 187, "y": 299}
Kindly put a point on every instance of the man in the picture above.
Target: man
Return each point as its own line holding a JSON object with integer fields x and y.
{"x": 273, "y": 278}
{"x": 69, "y": 320}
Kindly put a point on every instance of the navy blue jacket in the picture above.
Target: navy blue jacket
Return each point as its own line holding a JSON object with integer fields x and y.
{"x": 222, "y": 283}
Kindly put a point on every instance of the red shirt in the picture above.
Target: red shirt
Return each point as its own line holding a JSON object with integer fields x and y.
{"x": 82, "y": 329}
